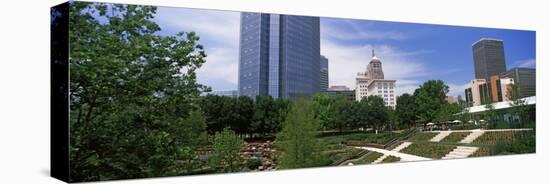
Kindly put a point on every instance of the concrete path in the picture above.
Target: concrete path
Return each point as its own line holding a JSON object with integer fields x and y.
{"x": 461, "y": 152}
{"x": 396, "y": 149}
{"x": 471, "y": 137}
{"x": 440, "y": 136}
{"x": 402, "y": 146}
{"x": 404, "y": 157}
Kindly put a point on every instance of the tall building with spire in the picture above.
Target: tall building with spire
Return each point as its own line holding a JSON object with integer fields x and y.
{"x": 372, "y": 82}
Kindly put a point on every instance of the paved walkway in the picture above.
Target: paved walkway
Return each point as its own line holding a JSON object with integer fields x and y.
{"x": 404, "y": 157}
{"x": 440, "y": 136}
{"x": 490, "y": 130}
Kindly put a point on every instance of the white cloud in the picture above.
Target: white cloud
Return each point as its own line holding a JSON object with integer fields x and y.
{"x": 529, "y": 63}
{"x": 350, "y": 30}
{"x": 346, "y": 60}
{"x": 219, "y": 34}
{"x": 457, "y": 89}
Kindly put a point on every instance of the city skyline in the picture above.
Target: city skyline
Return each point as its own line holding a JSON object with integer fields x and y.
{"x": 413, "y": 53}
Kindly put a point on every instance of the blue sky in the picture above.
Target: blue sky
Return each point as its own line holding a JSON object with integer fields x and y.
{"x": 410, "y": 53}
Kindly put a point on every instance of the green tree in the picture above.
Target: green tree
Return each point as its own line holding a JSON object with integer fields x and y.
{"x": 299, "y": 146}
{"x": 131, "y": 93}
{"x": 519, "y": 104}
{"x": 490, "y": 111}
{"x": 282, "y": 107}
{"x": 341, "y": 114}
{"x": 405, "y": 109}
{"x": 225, "y": 151}
{"x": 377, "y": 113}
{"x": 429, "y": 98}
{"x": 265, "y": 115}
{"x": 244, "y": 112}
{"x": 447, "y": 112}
{"x": 393, "y": 119}
{"x": 322, "y": 106}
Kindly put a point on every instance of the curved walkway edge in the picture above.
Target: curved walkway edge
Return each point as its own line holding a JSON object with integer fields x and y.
{"x": 403, "y": 156}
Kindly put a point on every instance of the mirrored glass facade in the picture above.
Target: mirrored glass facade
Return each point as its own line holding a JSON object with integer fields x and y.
{"x": 279, "y": 55}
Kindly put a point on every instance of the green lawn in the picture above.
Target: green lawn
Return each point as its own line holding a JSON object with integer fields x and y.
{"x": 428, "y": 149}
{"x": 343, "y": 154}
{"x": 424, "y": 136}
{"x": 369, "y": 158}
{"x": 455, "y": 137}
{"x": 391, "y": 159}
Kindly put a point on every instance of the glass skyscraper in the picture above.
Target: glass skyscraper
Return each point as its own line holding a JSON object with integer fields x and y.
{"x": 279, "y": 55}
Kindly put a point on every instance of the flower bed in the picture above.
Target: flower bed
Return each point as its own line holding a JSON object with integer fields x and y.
{"x": 481, "y": 152}
{"x": 429, "y": 150}
{"x": 455, "y": 137}
{"x": 491, "y": 138}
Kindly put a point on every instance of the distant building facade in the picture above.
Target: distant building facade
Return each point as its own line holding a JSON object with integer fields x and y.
{"x": 279, "y": 55}
{"x": 451, "y": 99}
{"x": 324, "y": 73}
{"x": 525, "y": 78}
{"x": 341, "y": 90}
{"x": 230, "y": 93}
{"x": 477, "y": 92}
{"x": 372, "y": 82}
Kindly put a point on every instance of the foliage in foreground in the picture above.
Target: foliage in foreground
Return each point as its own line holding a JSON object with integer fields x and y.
{"x": 133, "y": 110}
{"x": 299, "y": 146}
{"x": 225, "y": 151}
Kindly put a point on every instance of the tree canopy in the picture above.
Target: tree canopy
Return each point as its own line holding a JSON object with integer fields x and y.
{"x": 133, "y": 94}
{"x": 429, "y": 98}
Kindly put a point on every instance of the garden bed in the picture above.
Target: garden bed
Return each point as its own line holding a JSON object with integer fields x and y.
{"x": 368, "y": 158}
{"x": 391, "y": 159}
{"x": 428, "y": 150}
{"x": 455, "y": 137}
{"x": 491, "y": 138}
{"x": 481, "y": 152}
{"x": 424, "y": 136}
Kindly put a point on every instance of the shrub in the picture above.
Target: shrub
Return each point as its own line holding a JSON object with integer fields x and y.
{"x": 253, "y": 163}
{"x": 391, "y": 159}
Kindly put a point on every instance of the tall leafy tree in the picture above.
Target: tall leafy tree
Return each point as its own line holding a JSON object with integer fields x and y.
{"x": 244, "y": 112}
{"x": 225, "y": 151}
{"x": 519, "y": 104}
{"x": 322, "y": 106}
{"x": 429, "y": 98}
{"x": 299, "y": 146}
{"x": 265, "y": 115}
{"x": 131, "y": 93}
{"x": 447, "y": 112}
{"x": 490, "y": 111}
{"x": 378, "y": 114}
{"x": 405, "y": 109}
{"x": 341, "y": 114}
